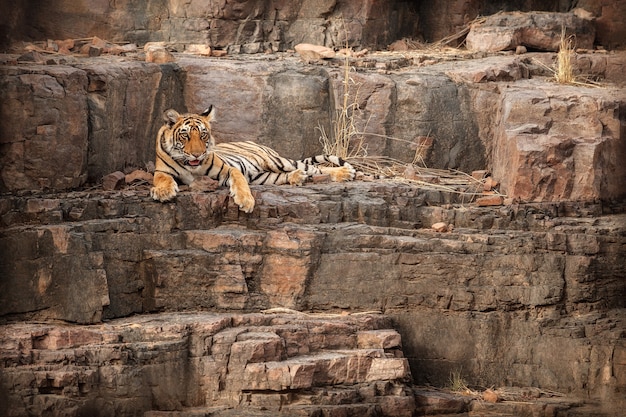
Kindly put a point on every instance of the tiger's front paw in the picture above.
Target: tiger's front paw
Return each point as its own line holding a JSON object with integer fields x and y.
{"x": 245, "y": 201}
{"x": 165, "y": 188}
{"x": 240, "y": 191}
{"x": 297, "y": 177}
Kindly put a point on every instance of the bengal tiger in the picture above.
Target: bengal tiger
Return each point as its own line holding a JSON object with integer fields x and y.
{"x": 186, "y": 149}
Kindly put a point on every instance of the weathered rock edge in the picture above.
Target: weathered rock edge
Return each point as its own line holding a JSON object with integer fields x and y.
{"x": 516, "y": 295}
{"x": 295, "y": 364}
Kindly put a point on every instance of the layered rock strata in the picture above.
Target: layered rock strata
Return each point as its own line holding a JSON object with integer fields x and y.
{"x": 210, "y": 363}
{"x": 519, "y": 295}
{"x": 73, "y": 124}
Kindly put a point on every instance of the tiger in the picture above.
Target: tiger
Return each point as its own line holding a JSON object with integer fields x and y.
{"x": 186, "y": 149}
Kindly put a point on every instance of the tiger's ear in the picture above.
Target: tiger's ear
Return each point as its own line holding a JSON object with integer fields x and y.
{"x": 171, "y": 116}
{"x": 209, "y": 113}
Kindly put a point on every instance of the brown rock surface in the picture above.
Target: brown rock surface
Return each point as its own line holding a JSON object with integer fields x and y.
{"x": 510, "y": 294}
{"x": 522, "y": 294}
{"x": 169, "y": 362}
{"x": 550, "y": 140}
{"x": 46, "y": 107}
{"x": 260, "y": 25}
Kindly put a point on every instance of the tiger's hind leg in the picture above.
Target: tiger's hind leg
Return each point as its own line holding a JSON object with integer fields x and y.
{"x": 340, "y": 172}
{"x": 296, "y": 177}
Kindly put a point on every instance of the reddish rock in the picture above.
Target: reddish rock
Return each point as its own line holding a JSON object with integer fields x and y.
{"x": 45, "y": 145}
{"x": 199, "y": 49}
{"x": 379, "y": 339}
{"x": 479, "y": 174}
{"x": 490, "y": 184}
{"x": 159, "y": 55}
{"x": 218, "y": 52}
{"x": 310, "y": 52}
{"x": 113, "y": 181}
{"x": 230, "y": 362}
{"x": 491, "y": 200}
{"x": 550, "y": 141}
{"x": 490, "y": 396}
{"x": 440, "y": 227}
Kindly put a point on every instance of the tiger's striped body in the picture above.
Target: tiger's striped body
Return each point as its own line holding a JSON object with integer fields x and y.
{"x": 263, "y": 165}
{"x": 185, "y": 150}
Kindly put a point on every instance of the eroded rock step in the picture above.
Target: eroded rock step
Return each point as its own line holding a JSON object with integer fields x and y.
{"x": 175, "y": 361}
{"x": 86, "y": 256}
{"x": 537, "y": 276}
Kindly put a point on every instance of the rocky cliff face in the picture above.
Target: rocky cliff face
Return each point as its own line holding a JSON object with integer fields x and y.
{"x": 255, "y": 26}
{"x": 523, "y": 296}
{"x": 101, "y": 115}
{"x": 327, "y": 299}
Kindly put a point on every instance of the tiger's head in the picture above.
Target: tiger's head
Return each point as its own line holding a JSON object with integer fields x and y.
{"x": 187, "y": 137}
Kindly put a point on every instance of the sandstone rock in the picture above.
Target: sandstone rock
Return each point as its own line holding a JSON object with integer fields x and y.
{"x": 113, "y": 181}
{"x": 487, "y": 70}
{"x": 125, "y": 102}
{"x": 228, "y": 361}
{"x": 490, "y": 396}
{"x": 490, "y": 184}
{"x": 218, "y": 52}
{"x": 204, "y": 184}
{"x": 563, "y": 130}
{"x": 198, "y": 49}
{"x": 32, "y": 56}
{"x": 490, "y": 200}
{"x": 273, "y": 101}
{"x": 42, "y": 149}
{"x": 122, "y": 49}
{"x": 378, "y": 339}
{"x": 310, "y": 52}
{"x": 479, "y": 174}
{"x": 399, "y": 46}
{"x": 159, "y": 55}
{"x": 507, "y": 31}
{"x": 94, "y": 51}
{"x": 439, "y": 403}
{"x": 128, "y": 254}
{"x": 440, "y": 227}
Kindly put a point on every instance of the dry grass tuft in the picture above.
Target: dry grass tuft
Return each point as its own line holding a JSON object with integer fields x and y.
{"x": 348, "y": 142}
{"x": 564, "y": 72}
{"x": 345, "y": 140}
{"x": 564, "y": 68}
{"x": 457, "y": 382}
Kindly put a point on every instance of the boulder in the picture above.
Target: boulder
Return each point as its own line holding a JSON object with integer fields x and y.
{"x": 310, "y": 52}
{"x": 535, "y": 30}
{"x": 552, "y": 139}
